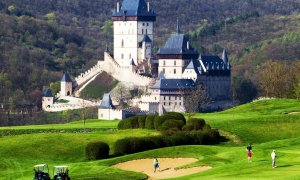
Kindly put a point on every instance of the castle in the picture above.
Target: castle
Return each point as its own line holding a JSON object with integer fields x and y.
{"x": 178, "y": 66}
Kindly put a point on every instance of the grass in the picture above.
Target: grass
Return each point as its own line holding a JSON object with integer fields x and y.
{"x": 90, "y": 123}
{"x": 265, "y": 124}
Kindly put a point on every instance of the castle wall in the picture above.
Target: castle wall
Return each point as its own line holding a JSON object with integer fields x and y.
{"x": 47, "y": 102}
{"x": 110, "y": 114}
{"x": 172, "y": 68}
{"x": 218, "y": 87}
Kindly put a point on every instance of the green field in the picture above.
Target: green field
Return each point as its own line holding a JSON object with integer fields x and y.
{"x": 266, "y": 124}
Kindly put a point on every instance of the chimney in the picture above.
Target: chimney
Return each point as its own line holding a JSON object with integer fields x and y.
{"x": 148, "y": 6}
{"x": 118, "y": 7}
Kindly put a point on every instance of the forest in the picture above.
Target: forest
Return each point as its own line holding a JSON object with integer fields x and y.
{"x": 39, "y": 40}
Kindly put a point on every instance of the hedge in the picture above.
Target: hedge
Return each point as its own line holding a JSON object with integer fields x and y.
{"x": 96, "y": 150}
{"x": 150, "y": 121}
{"x": 194, "y": 124}
{"x": 134, "y": 145}
{"x": 172, "y": 124}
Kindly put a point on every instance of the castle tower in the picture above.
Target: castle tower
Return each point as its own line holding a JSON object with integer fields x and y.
{"x": 133, "y": 31}
{"x": 66, "y": 86}
{"x": 175, "y": 56}
{"x": 48, "y": 99}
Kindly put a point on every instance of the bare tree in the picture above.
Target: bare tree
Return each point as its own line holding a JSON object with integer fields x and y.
{"x": 195, "y": 101}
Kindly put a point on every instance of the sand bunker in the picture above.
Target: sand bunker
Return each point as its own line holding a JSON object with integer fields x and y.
{"x": 167, "y": 167}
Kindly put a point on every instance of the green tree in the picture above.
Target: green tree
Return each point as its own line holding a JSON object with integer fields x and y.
{"x": 107, "y": 27}
{"x": 55, "y": 87}
{"x": 11, "y": 9}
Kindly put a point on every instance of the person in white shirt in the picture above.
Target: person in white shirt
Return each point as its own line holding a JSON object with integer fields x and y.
{"x": 273, "y": 156}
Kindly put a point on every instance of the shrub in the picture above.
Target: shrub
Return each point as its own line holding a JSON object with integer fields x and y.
{"x": 149, "y": 124}
{"x": 122, "y": 147}
{"x": 211, "y": 136}
{"x": 158, "y": 121}
{"x": 96, "y": 150}
{"x": 178, "y": 139}
{"x": 142, "y": 121}
{"x": 172, "y": 124}
{"x": 129, "y": 123}
{"x": 133, "y": 145}
{"x": 194, "y": 125}
{"x": 197, "y": 137}
{"x": 175, "y": 115}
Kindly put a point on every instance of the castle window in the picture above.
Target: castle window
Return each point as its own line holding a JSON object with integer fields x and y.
{"x": 164, "y": 70}
{"x": 175, "y": 98}
{"x": 180, "y": 104}
{"x": 170, "y": 98}
{"x": 129, "y": 56}
{"x": 164, "y": 97}
{"x": 147, "y": 24}
{"x": 146, "y": 31}
{"x": 122, "y": 43}
{"x": 169, "y": 104}
{"x": 164, "y": 63}
{"x": 155, "y": 98}
{"x": 164, "y": 103}
{"x": 122, "y": 56}
{"x": 142, "y": 31}
{"x": 174, "y": 63}
{"x": 174, "y": 71}
{"x": 143, "y": 24}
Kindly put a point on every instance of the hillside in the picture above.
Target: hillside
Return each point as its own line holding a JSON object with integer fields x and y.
{"x": 44, "y": 38}
{"x": 254, "y": 123}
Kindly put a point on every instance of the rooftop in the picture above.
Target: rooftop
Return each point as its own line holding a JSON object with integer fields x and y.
{"x": 173, "y": 84}
{"x": 134, "y": 8}
{"x": 106, "y": 102}
{"x": 177, "y": 44}
{"x": 66, "y": 78}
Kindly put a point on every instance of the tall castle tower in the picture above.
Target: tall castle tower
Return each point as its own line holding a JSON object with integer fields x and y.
{"x": 66, "y": 86}
{"x": 133, "y": 32}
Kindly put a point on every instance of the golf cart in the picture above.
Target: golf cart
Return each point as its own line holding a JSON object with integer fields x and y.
{"x": 61, "y": 173}
{"x": 41, "y": 172}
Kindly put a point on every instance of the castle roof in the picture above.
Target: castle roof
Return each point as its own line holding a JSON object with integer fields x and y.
{"x": 47, "y": 93}
{"x": 214, "y": 65}
{"x": 173, "y": 84}
{"x": 146, "y": 38}
{"x": 132, "y": 63}
{"x": 195, "y": 65}
{"x": 134, "y": 8}
{"x": 106, "y": 102}
{"x": 66, "y": 78}
{"x": 224, "y": 56}
{"x": 177, "y": 44}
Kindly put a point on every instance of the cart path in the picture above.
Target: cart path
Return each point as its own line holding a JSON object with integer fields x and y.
{"x": 167, "y": 167}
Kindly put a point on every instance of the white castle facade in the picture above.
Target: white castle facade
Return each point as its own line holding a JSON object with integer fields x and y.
{"x": 180, "y": 68}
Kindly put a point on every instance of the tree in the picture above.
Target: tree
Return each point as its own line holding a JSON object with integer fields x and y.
{"x": 55, "y": 87}
{"x": 196, "y": 101}
{"x": 297, "y": 87}
{"x": 273, "y": 79}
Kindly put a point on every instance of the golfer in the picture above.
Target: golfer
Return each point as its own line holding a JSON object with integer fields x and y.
{"x": 156, "y": 165}
{"x": 273, "y": 156}
{"x": 249, "y": 152}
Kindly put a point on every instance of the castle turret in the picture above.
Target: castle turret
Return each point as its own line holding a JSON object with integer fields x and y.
{"x": 225, "y": 56}
{"x": 48, "y": 99}
{"x": 175, "y": 55}
{"x": 66, "y": 85}
{"x": 133, "y": 19}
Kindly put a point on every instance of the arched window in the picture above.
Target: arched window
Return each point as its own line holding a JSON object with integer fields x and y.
{"x": 122, "y": 56}
{"x": 122, "y": 43}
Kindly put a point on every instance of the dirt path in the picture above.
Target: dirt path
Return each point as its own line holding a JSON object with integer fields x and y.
{"x": 167, "y": 167}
